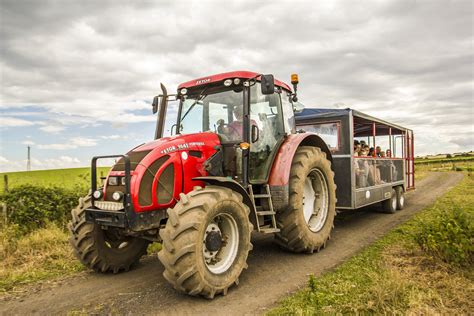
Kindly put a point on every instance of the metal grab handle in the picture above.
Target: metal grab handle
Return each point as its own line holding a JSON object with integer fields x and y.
{"x": 126, "y": 200}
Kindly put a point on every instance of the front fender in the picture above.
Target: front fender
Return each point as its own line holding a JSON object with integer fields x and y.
{"x": 233, "y": 185}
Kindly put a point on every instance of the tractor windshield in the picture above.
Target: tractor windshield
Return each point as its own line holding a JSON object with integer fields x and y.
{"x": 217, "y": 111}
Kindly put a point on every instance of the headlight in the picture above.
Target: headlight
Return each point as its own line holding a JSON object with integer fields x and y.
{"x": 228, "y": 82}
{"x": 236, "y": 81}
{"x": 113, "y": 180}
{"x": 117, "y": 196}
{"x": 97, "y": 194}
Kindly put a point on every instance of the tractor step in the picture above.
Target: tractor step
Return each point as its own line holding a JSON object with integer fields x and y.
{"x": 269, "y": 230}
{"x": 262, "y": 196}
{"x": 260, "y": 211}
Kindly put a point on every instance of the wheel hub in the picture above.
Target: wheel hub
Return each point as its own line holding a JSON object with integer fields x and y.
{"x": 315, "y": 200}
{"x": 213, "y": 241}
{"x": 220, "y": 243}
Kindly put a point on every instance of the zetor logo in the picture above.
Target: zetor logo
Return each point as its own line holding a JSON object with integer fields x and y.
{"x": 201, "y": 81}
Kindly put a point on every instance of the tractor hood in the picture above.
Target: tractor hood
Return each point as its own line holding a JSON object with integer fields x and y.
{"x": 188, "y": 142}
{"x": 161, "y": 169}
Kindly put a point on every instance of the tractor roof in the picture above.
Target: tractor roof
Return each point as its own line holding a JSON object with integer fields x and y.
{"x": 228, "y": 75}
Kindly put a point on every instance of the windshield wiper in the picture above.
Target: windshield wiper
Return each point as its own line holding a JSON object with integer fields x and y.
{"x": 199, "y": 98}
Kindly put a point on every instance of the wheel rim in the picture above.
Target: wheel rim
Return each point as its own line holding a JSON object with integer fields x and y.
{"x": 394, "y": 202}
{"x": 401, "y": 199}
{"x": 315, "y": 200}
{"x": 219, "y": 255}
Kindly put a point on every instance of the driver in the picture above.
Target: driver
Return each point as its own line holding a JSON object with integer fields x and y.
{"x": 235, "y": 129}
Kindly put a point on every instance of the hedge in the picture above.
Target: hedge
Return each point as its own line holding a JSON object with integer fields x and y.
{"x": 32, "y": 207}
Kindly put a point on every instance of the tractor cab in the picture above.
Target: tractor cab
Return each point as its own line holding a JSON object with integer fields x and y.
{"x": 250, "y": 113}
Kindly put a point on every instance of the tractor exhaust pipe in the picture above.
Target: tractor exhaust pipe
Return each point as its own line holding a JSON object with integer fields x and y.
{"x": 163, "y": 103}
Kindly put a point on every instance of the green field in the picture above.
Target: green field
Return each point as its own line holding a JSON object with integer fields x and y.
{"x": 67, "y": 178}
{"x": 80, "y": 177}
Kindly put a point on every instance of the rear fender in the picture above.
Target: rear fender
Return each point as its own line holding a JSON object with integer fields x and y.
{"x": 280, "y": 173}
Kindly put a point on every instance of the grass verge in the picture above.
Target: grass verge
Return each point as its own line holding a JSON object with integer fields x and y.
{"x": 403, "y": 273}
{"x": 42, "y": 254}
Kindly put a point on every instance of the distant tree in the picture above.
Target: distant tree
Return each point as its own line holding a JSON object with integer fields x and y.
{"x": 449, "y": 156}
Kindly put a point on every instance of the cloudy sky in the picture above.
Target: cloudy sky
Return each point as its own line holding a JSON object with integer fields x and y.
{"x": 77, "y": 77}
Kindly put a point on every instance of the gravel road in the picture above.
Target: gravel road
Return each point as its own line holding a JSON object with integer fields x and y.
{"x": 272, "y": 273}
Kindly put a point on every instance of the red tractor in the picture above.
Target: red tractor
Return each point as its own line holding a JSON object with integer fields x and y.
{"x": 235, "y": 164}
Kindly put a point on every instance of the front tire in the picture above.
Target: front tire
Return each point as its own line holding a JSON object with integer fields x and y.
{"x": 206, "y": 241}
{"x": 102, "y": 250}
{"x": 306, "y": 225}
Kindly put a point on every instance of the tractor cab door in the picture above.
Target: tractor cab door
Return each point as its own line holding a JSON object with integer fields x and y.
{"x": 267, "y": 130}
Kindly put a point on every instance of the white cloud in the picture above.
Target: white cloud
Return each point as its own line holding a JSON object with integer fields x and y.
{"x": 113, "y": 137}
{"x": 28, "y": 142}
{"x": 8, "y": 121}
{"x": 73, "y": 143}
{"x": 83, "y": 142}
{"x": 52, "y": 129}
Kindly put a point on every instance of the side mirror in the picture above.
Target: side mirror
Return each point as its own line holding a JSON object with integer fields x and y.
{"x": 156, "y": 101}
{"x": 268, "y": 84}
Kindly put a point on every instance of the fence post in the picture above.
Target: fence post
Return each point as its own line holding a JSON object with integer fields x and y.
{"x": 5, "y": 214}
{"x": 5, "y": 183}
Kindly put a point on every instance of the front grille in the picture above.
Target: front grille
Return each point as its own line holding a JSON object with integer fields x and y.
{"x": 108, "y": 206}
{"x": 165, "y": 187}
{"x": 146, "y": 184}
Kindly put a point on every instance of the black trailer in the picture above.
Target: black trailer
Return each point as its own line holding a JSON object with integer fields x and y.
{"x": 369, "y": 179}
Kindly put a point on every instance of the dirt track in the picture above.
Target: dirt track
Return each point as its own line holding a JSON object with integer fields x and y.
{"x": 272, "y": 273}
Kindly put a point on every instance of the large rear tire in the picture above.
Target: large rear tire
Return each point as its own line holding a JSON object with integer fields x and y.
{"x": 102, "y": 250}
{"x": 206, "y": 241}
{"x": 306, "y": 225}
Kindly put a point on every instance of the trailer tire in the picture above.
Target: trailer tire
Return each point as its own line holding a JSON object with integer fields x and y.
{"x": 206, "y": 241}
{"x": 101, "y": 250}
{"x": 400, "y": 198}
{"x": 389, "y": 206}
{"x": 301, "y": 230}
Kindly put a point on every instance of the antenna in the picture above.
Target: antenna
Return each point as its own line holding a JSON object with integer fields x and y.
{"x": 28, "y": 162}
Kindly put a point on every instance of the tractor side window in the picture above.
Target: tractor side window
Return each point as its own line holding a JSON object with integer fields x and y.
{"x": 171, "y": 119}
{"x": 265, "y": 114}
{"x": 288, "y": 113}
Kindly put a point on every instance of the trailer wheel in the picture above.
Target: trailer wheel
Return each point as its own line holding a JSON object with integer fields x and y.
{"x": 400, "y": 198}
{"x": 102, "y": 250}
{"x": 390, "y": 206}
{"x": 206, "y": 241}
{"x": 306, "y": 225}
